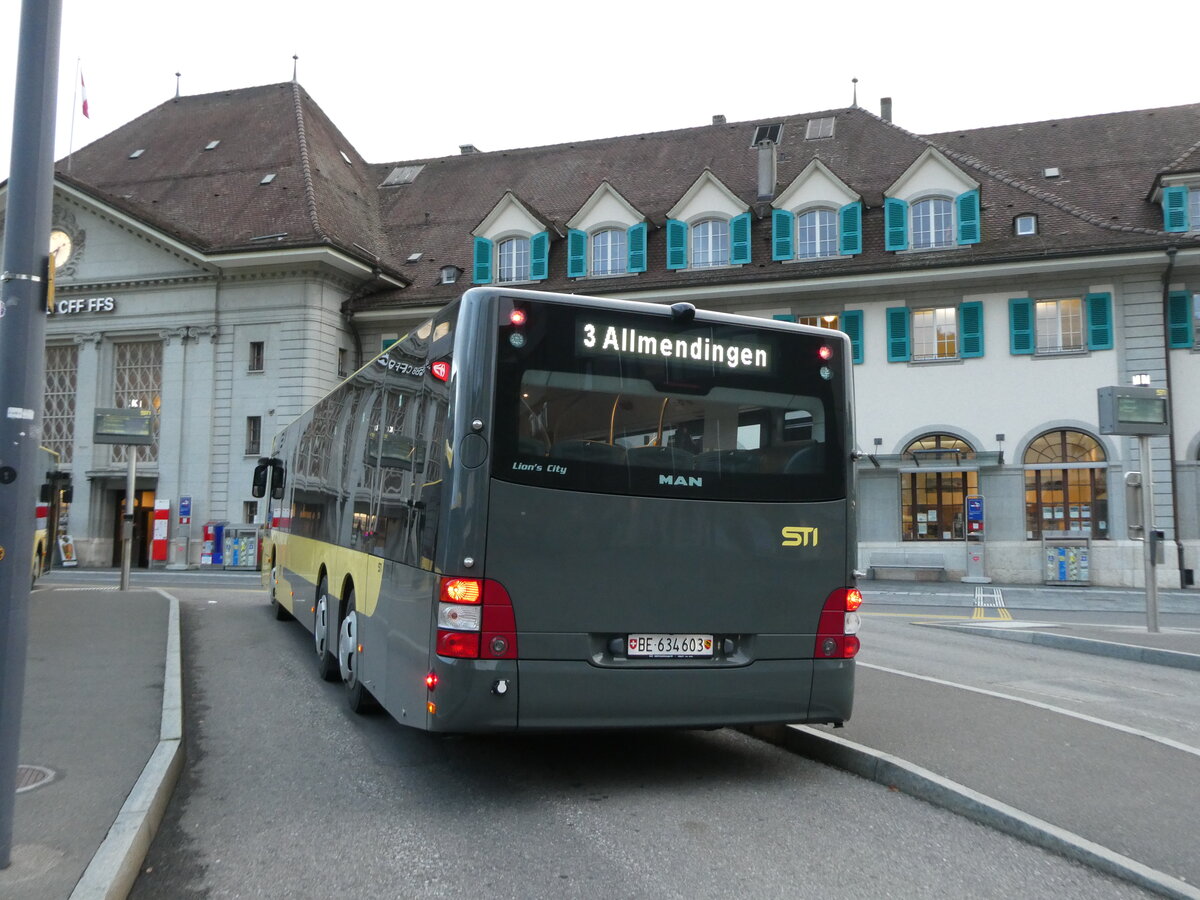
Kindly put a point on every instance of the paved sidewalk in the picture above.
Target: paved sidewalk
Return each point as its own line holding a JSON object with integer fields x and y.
{"x": 101, "y": 744}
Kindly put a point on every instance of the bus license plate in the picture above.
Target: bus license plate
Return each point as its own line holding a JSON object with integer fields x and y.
{"x": 670, "y": 645}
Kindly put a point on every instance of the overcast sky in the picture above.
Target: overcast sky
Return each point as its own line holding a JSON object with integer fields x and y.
{"x": 411, "y": 80}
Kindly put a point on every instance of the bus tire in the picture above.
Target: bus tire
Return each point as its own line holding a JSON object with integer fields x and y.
{"x": 357, "y": 695}
{"x": 277, "y": 609}
{"x": 327, "y": 663}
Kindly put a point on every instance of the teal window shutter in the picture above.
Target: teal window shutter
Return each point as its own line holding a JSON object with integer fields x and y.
{"x": 852, "y": 324}
{"x": 1179, "y": 319}
{"x": 783, "y": 227}
{"x": 968, "y": 217}
{"x": 635, "y": 239}
{"x": 970, "y": 330}
{"x": 483, "y": 261}
{"x": 576, "y": 253}
{"x": 1020, "y": 326}
{"x": 895, "y": 224}
{"x": 1175, "y": 209}
{"x": 897, "y": 334}
{"x": 739, "y": 240}
{"x": 539, "y": 256}
{"x": 1099, "y": 321}
{"x": 677, "y": 235}
{"x": 783, "y": 317}
{"x": 850, "y": 229}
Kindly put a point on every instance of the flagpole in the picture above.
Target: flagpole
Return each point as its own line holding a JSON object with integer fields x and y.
{"x": 74, "y": 99}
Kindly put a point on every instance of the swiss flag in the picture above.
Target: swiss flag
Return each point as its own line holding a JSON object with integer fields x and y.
{"x": 83, "y": 93}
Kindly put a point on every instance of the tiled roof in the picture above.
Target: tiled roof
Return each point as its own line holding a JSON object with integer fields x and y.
{"x": 214, "y": 199}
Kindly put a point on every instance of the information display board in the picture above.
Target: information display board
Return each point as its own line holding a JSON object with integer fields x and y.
{"x": 123, "y": 426}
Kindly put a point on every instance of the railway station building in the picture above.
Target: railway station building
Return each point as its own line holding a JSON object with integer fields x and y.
{"x": 226, "y": 258}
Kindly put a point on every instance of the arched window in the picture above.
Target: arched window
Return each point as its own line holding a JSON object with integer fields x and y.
{"x": 1066, "y": 485}
{"x": 512, "y": 257}
{"x": 932, "y": 223}
{"x": 710, "y": 243}
{"x": 938, "y": 474}
{"x": 816, "y": 234}
{"x": 609, "y": 252}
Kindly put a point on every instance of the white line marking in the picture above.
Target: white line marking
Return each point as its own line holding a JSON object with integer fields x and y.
{"x": 1083, "y": 717}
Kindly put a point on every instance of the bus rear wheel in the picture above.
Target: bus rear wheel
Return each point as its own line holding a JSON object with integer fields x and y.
{"x": 327, "y": 663}
{"x": 357, "y": 695}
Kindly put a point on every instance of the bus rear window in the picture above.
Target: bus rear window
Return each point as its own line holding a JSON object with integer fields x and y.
{"x": 612, "y": 402}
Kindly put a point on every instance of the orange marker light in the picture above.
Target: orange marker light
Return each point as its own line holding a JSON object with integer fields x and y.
{"x": 431, "y": 708}
{"x": 853, "y": 599}
{"x": 462, "y": 590}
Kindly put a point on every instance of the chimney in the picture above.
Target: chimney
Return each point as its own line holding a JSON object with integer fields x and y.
{"x": 718, "y": 119}
{"x": 766, "y": 170}
{"x": 464, "y": 149}
{"x": 885, "y": 109}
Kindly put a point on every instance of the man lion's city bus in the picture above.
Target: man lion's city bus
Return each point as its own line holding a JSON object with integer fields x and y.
{"x": 540, "y": 511}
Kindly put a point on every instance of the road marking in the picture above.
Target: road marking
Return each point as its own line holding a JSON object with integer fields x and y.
{"x": 914, "y": 616}
{"x": 1083, "y": 717}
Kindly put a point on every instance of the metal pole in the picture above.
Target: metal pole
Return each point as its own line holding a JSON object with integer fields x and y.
{"x": 1149, "y": 545}
{"x": 23, "y": 274}
{"x": 127, "y": 525}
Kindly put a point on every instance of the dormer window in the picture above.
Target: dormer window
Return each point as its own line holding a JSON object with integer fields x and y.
{"x": 710, "y": 244}
{"x": 934, "y": 205}
{"x": 511, "y": 245}
{"x": 708, "y": 227}
{"x": 448, "y": 274}
{"x": 609, "y": 253}
{"x": 932, "y": 224}
{"x": 817, "y": 216}
{"x": 816, "y": 234}
{"x": 1025, "y": 225}
{"x": 1181, "y": 207}
{"x": 512, "y": 260}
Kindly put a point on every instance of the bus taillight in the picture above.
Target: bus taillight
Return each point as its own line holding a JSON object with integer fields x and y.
{"x": 838, "y": 628}
{"x": 475, "y": 620}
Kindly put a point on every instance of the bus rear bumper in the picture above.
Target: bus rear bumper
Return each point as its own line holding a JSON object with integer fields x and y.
{"x": 558, "y": 695}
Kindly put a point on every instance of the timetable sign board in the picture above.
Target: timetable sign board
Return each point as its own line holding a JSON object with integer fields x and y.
{"x": 1133, "y": 410}
{"x": 123, "y": 426}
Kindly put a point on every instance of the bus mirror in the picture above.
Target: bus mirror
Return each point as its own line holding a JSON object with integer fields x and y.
{"x": 258, "y": 488}
{"x": 277, "y": 479}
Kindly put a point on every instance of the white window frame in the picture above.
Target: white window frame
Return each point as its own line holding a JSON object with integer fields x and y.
{"x": 1059, "y": 325}
{"x": 257, "y": 357}
{"x": 817, "y": 239}
{"x": 710, "y": 243}
{"x": 512, "y": 259}
{"x": 935, "y": 331}
{"x": 932, "y": 223}
{"x": 1194, "y": 207}
{"x": 1026, "y": 225}
{"x": 609, "y": 252}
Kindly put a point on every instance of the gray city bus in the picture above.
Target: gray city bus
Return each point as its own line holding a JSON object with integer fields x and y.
{"x": 542, "y": 511}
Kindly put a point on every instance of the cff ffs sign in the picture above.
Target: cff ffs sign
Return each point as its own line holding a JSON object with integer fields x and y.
{"x": 84, "y": 305}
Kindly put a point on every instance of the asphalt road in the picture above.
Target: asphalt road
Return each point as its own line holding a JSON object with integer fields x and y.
{"x": 289, "y": 794}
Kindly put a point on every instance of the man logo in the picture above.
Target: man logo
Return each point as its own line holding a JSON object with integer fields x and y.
{"x": 680, "y": 481}
{"x": 799, "y": 535}
{"x": 441, "y": 370}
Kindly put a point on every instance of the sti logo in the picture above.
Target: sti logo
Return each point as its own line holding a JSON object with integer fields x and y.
{"x": 800, "y": 536}
{"x": 441, "y": 371}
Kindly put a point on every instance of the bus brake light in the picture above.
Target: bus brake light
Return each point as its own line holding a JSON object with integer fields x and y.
{"x": 517, "y": 317}
{"x": 839, "y": 624}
